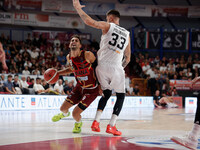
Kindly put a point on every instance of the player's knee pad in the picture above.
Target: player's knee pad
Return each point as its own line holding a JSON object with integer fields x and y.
{"x": 119, "y": 103}
{"x": 104, "y": 99}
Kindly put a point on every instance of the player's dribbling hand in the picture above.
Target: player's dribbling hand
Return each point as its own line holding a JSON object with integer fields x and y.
{"x": 77, "y": 4}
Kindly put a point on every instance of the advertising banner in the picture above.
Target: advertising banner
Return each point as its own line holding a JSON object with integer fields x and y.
{"x": 175, "y": 41}
{"x": 23, "y": 5}
{"x": 133, "y": 10}
{"x": 67, "y": 7}
{"x": 47, "y": 21}
{"x": 171, "y": 40}
{"x": 5, "y": 18}
{"x": 98, "y": 8}
{"x": 66, "y": 22}
{"x": 178, "y": 101}
{"x": 31, "y": 19}
{"x": 153, "y": 40}
{"x": 194, "y": 12}
{"x": 190, "y": 102}
{"x": 184, "y": 85}
{"x": 51, "y": 5}
{"x": 28, "y": 102}
{"x": 196, "y": 40}
{"x": 167, "y": 11}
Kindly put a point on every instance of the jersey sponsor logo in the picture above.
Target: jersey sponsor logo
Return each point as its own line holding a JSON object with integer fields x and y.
{"x": 83, "y": 78}
{"x": 82, "y": 72}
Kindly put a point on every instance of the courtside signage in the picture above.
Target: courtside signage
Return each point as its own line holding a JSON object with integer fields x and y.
{"x": 29, "y": 102}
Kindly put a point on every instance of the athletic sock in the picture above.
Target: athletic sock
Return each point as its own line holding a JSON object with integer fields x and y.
{"x": 98, "y": 116}
{"x": 65, "y": 114}
{"x": 113, "y": 120}
{"x": 79, "y": 121}
{"x": 195, "y": 131}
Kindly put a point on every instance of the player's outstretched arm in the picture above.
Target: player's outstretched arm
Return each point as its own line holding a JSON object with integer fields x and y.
{"x": 88, "y": 20}
{"x": 127, "y": 55}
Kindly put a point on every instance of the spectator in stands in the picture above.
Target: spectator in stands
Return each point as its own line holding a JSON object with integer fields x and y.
{"x": 35, "y": 41}
{"x": 26, "y": 71}
{"x": 129, "y": 91}
{"x": 48, "y": 54}
{"x": 136, "y": 90}
{"x": 57, "y": 51}
{"x": 24, "y": 85}
{"x": 58, "y": 87}
{"x": 65, "y": 83}
{"x": 62, "y": 58}
{"x": 17, "y": 85}
{"x": 145, "y": 67}
{"x": 39, "y": 89}
{"x": 28, "y": 80}
{"x": 36, "y": 71}
{"x": 2, "y": 80}
{"x": 56, "y": 42}
{"x": 163, "y": 68}
{"x": 34, "y": 54}
{"x": 45, "y": 84}
{"x": 68, "y": 89}
{"x": 29, "y": 39}
{"x": 9, "y": 86}
{"x": 174, "y": 92}
{"x": 27, "y": 63}
{"x": 32, "y": 83}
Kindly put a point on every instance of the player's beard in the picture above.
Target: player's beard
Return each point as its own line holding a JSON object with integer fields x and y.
{"x": 73, "y": 48}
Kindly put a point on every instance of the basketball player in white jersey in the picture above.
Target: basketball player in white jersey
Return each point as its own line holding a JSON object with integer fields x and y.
{"x": 3, "y": 57}
{"x": 191, "y": 141}
{"x": 113, "y": 56}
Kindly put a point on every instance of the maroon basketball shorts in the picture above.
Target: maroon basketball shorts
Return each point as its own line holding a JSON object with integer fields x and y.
{"x": 83, "y": 97}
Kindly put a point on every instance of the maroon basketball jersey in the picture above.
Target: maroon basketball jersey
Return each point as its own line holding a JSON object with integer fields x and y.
{"x": 83, "y": 71}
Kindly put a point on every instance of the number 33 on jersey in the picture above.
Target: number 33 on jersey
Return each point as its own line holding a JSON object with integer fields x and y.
{"x": 113, "y": 44}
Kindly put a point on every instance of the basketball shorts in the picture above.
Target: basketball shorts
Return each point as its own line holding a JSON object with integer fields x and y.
{"x": 82, "y": 96}
{"x": 111, "y": 78}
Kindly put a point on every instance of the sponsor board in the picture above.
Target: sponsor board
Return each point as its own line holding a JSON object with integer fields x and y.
{"x": 26, "y": 102}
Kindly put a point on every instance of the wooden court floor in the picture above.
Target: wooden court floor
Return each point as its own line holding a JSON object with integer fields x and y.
{"x": 142, "y": 128}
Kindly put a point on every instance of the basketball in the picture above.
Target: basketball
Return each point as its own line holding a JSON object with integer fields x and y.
{"x": 51, "y": 76}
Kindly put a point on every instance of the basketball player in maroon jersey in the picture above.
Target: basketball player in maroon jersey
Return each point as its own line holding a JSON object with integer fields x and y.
{"x": 3, "y": 57}
{"x": 86, "y": 89}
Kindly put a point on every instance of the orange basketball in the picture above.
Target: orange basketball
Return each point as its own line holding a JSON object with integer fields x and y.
{"x": 51, "y": 76}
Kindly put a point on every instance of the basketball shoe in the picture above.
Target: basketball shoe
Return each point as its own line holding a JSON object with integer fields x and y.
{"x": 189, "y": 142}
{"x": 95, "y": 126}
{"x": 59, "y": 116}
{"x": 113, "y": 130}
{"x": 77, "y": 127}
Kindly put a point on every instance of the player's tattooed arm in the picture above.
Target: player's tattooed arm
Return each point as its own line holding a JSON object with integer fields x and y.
{"x": 127, "y": 55}
{"x": 87, "y": 19}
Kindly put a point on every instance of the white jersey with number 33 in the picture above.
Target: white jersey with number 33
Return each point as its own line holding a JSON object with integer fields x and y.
{"x": 112, "y": 45}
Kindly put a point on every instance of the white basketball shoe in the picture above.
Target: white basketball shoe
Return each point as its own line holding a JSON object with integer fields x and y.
{"x": 189, "y": 142}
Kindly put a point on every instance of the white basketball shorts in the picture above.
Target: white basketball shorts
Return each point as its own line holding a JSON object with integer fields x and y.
{"x": 111, "y": 78}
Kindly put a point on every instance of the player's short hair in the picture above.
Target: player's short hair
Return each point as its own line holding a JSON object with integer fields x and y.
{"x": 76, "y": 36}
{"x": 113, "y": 12}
